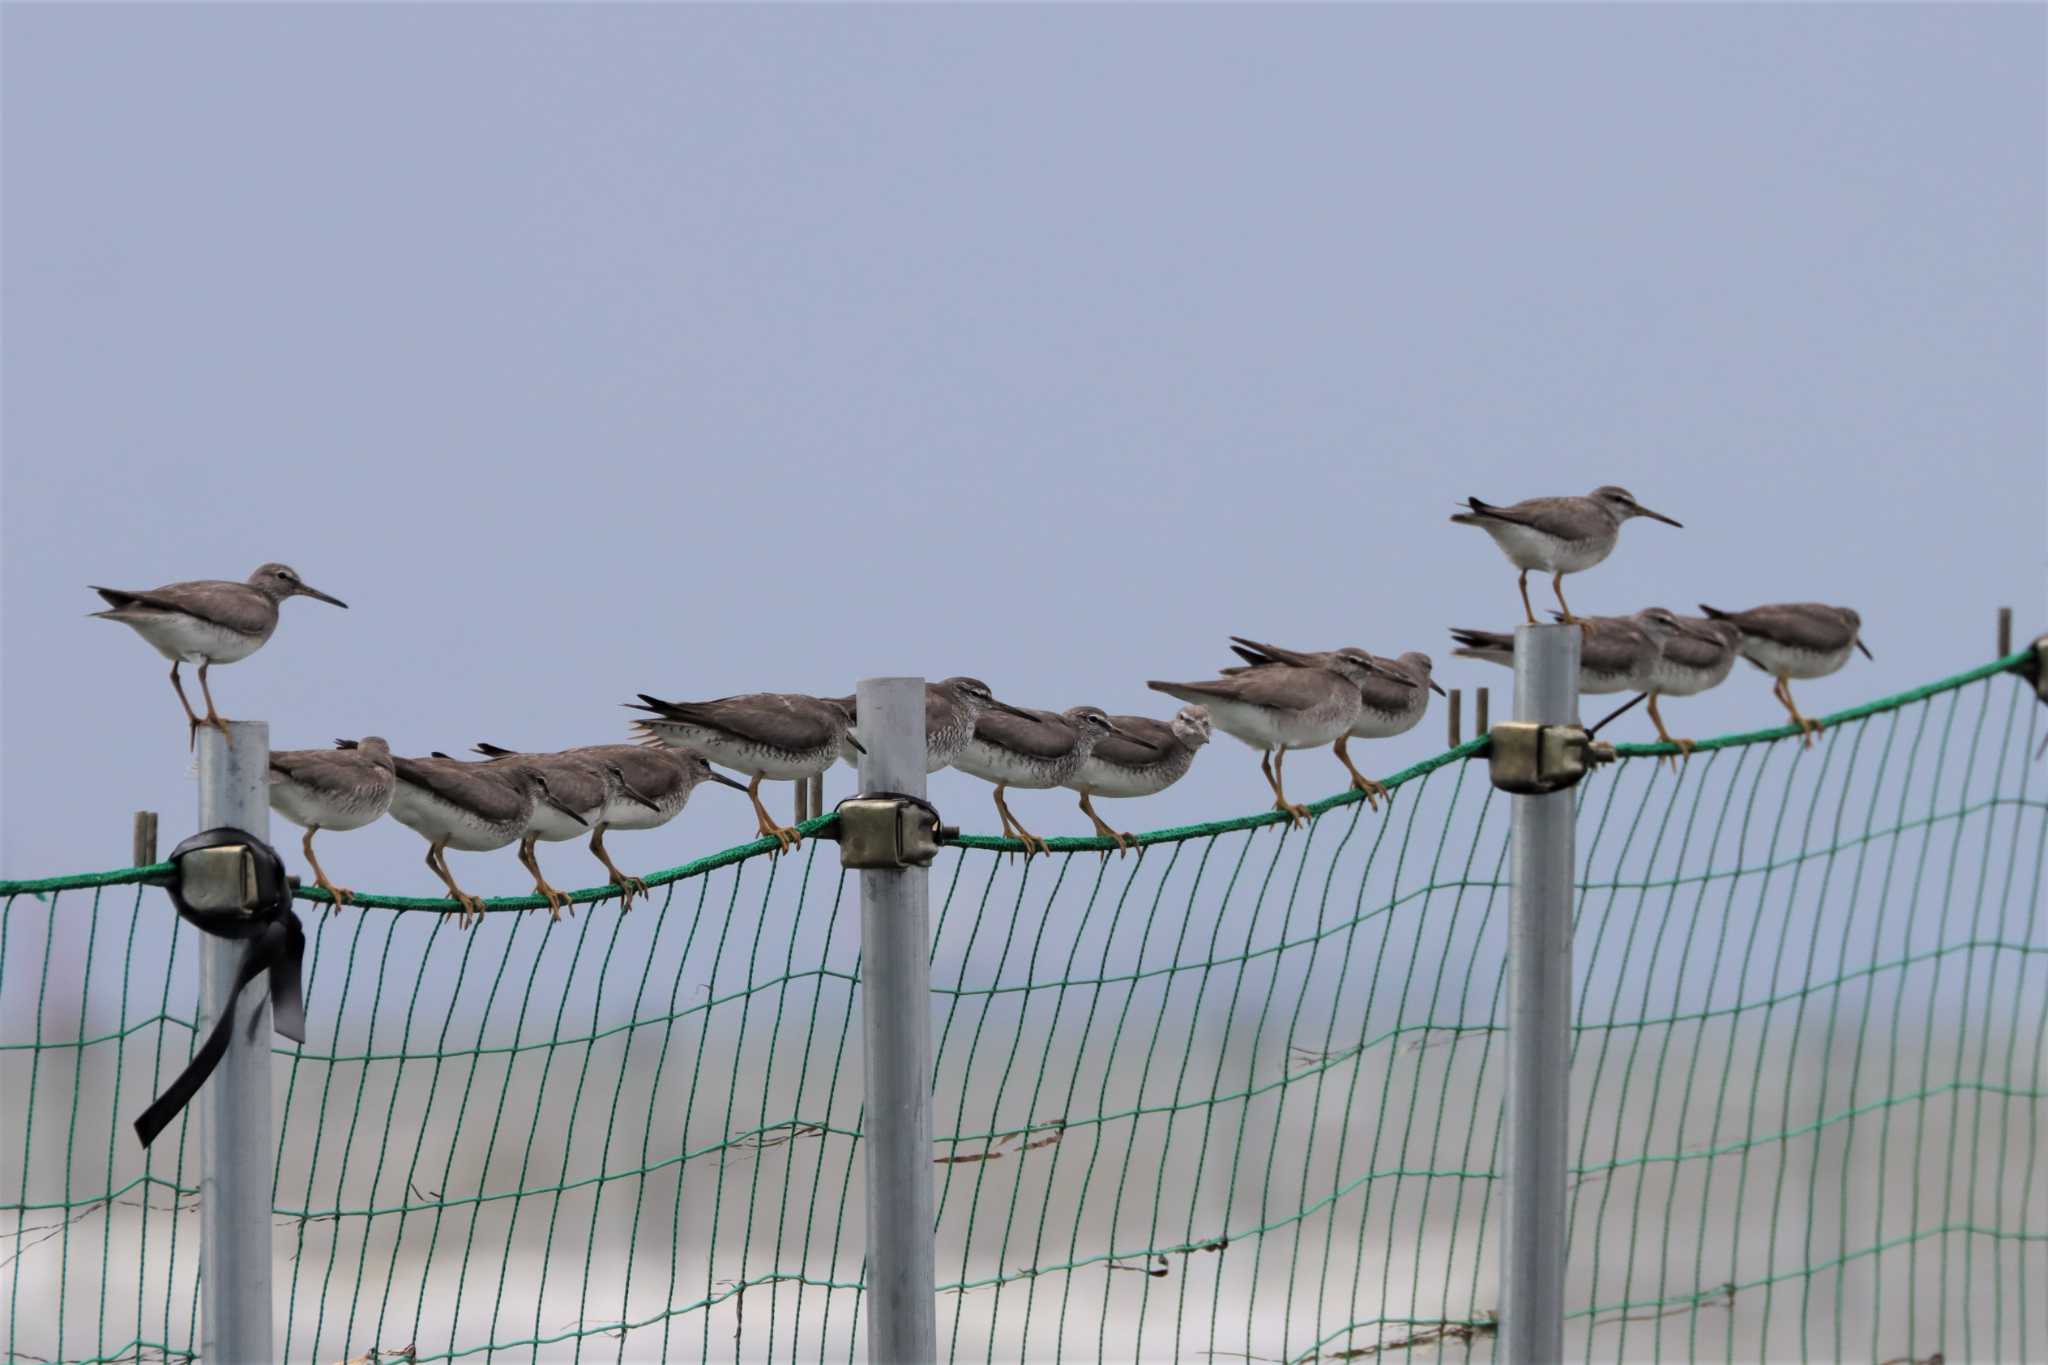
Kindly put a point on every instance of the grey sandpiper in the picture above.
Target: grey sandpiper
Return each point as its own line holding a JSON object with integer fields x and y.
{"x": 1694, "y": 655}
{"x": 645, "y": 788}
{"x": 1145, "y": 756}
{"x": 208, "y": 622}
{"x": 1279, "y": 707}
{"x": 1033, "y": 750}
{"x": 475, "y": 807}
{"x": 1557, "y": 535}
{"x": 951, "y": 708}
{"x": 776, "y": 736}
{"x": 1393, "y": 698}
{"x": 581, "y": 787}
{"x": 338, "y": 789}
{"x": 1796, "y": 640}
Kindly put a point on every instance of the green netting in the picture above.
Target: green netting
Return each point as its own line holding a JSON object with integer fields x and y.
{"x": 1238, "y": 1099}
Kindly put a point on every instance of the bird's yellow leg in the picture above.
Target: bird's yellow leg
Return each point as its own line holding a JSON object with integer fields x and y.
{"x": 1295, "y": 814}
{"x": 341, "y": 894}
{"x": 1527, "y": 610}
{"x": 1359, "y": 781}
{"x": 1808, "y": 726}
{"x": 1032, "y": 843}
{"x": 531, "y": 861}
{"x": 785, "y": 837}
{"x": 213, "y": 717}
{"x": 472, "y": 906}
{"x": 628, "y": 885}
{"x": 1684, "y": 746}
{"x": 191, "y": 716}
{"x": 1122, "y": 841}
{"x": 1557, "y": 586}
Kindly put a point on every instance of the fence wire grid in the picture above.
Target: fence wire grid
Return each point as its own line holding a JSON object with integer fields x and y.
{"x": 1236, "y": 1099}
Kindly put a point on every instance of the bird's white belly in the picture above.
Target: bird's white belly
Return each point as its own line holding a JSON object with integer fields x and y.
{"x": 1673, "y": 680}
{"x": 309, "y": 811}
{"x": 432, "y": 818}
{"x": 755, "y": 760}
{"x": 629, "y": 814}
{"x": 1372, "y": 724}
{"x": 554, "y": 825}
{"x": 1097, "y": 778}
{"x": 1783, "y": 662}
{"x": 187, "y": 639}
{"x": 1265, "y": 728}
{"x": 1531, "y": 549}
{"x": 992, "y": 764}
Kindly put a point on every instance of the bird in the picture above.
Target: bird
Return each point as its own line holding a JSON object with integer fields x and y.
{"x": 1283, "y": 706}
{"x": 645, "y": 788}
{"x": 475, "y": 807}
{"x": 581, "y": 787}
{"x": 1034, "y": 750}
{"x": 779, "y": 736}
{"x": 1693, "y": 656}
{"x": 951, "y": 708}
{"x": 208, "y": 622}
{"x": 1393, "y": 699}
{"x": 1618, "y": 655}
{"x": 1557, "y": 535}
{"x": 1144, "y": 757}
{"x": 340, "y": 789}
{"x": 1796, "y": 640}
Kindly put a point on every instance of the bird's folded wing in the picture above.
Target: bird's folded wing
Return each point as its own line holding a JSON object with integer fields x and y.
{"x": 1047, "y": 735}
{"x": 775, "y": 719}
{"x": 1143, "y": 741}
{"x": 1799, "y": 625}
{"x": 233, "y": 606}
{"x": 461, "y": 784}
{"x": 330, "y": 772}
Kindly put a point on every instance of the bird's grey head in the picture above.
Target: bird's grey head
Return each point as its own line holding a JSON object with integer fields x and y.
{"x": 279, "y": 581}
{"x": 1623, "y": 504}
{"x": 696, "y": 770}
{"x": 1419, "y": 666}
{"x": 1354, "y": 664}
{"x": 1191, "y": 725}
{"x": 1659, "y": 623}
{"x": 973, "y": 691}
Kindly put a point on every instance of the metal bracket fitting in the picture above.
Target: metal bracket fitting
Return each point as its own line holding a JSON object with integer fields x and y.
{"x": 889, "y": 830}
{"x": 1530, "y": 759}
{"x": 221, "y": 879}
{"x": 2040, "y": 669}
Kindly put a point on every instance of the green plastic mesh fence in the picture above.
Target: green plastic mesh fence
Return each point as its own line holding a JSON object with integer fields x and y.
{"x": 1237, "y": 1099}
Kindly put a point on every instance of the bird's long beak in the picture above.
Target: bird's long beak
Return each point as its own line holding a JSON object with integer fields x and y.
{"x": 630, "y": 790}
{"x": 1700, "y": 633}
{"x": 722, "y": 780}
{"x": 1008, "y": 709}
{"x": 1119, "y": 731}
{"x": 1437, "y": 688}
{"x": 1659, "y": 516}
{"x": 1866, "y": 649}
{"x": 308, "y": 590}
{"x": 858, "y": 747}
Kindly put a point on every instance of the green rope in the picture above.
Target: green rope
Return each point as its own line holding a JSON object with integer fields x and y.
{"x": 1237, "y": 1097}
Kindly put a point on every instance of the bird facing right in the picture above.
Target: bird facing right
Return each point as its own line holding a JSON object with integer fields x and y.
{"x": 776, "y": 736}
{"x": 474, "y": 807}
{"x": 208, "y": 622}
{"x": 1557, "y": 535}
{"x": 1796, "y": 640}
{"x": 1392, "y": 699}
{"x": 1033, "y": 750}
{"x": 952, "y": 707}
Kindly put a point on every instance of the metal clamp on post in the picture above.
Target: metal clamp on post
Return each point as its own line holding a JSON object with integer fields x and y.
{"x": 888, "y": 829}
{"x": 2039, "y": 669}
{"x": 1530, "y": 759}
{"x": 231, "y": 884}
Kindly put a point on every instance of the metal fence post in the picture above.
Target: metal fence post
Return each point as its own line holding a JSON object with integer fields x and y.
{"x": 1539, "y": 1018}
{"x": 895, "y": 995}
{"x": 237, "y": 1141}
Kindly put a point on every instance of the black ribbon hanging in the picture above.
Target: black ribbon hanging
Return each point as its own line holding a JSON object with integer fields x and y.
{"x": 277, "y": 944}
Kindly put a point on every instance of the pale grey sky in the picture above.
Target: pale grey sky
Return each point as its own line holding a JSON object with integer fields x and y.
{"x": 602, "y": 350}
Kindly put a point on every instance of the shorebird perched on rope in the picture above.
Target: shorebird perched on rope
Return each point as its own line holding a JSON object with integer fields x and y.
{"x": 775, "y": 736}
{"x": 1557, "y": 535}
{"x": 475, "y": 807}
{"x": 582, "y": 788}
{"x": 1033, "y": 750}
{"x": 951, "y": 709}
{"x": 1694, "y": 655}
{"x": 1144, "y": 757}
{"x": 339, "y": 789}
{"x": 646, "y": 787}
{"x": 1282, "y": 706}
{"x": 208, "y": 622}
{"x": 1796, "y": 640}
{"x": 1392, "y": 699}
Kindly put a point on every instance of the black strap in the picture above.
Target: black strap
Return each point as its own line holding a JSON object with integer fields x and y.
{"x": 277, "y": 944}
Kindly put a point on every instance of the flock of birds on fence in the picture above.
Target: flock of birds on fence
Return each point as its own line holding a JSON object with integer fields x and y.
{"x": 1276, "y": 700}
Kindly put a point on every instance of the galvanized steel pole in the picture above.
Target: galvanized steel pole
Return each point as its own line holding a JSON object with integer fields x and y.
{"x": 237, "y": 1139}
{"x": 1539, "y": 1018}
{"x": 895, "y": 997}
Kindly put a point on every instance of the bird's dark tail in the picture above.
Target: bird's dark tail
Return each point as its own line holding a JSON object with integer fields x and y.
{"x": 493, "y": 751}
